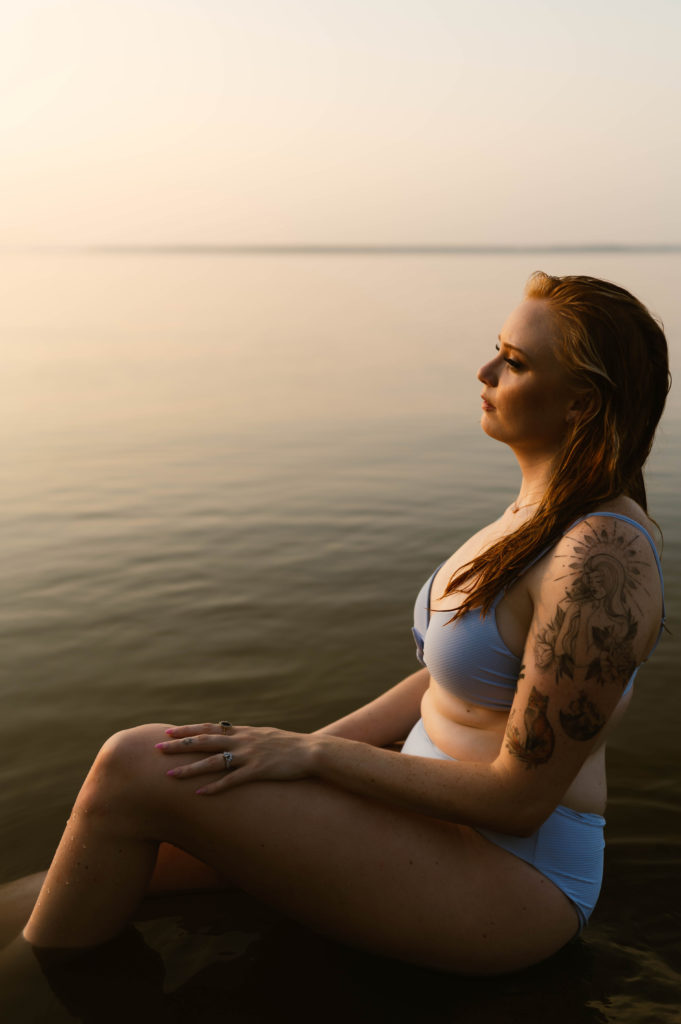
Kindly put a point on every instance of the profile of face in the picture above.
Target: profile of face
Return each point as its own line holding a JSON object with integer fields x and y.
{"x": 528, "y": 401}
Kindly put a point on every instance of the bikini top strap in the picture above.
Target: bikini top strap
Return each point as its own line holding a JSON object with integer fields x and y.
{"x": 627, "y": 519}
{"x": 609, "y": 515}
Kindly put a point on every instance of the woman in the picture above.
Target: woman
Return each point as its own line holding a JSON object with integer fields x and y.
{"x": 478, "y": 848}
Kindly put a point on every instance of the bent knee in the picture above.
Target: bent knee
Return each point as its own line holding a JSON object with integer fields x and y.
{"x": 123, "y": 765}
{"x": 129, "y": 748}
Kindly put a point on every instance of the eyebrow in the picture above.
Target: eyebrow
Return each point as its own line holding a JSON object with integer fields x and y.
{"x": 514, "y": 347}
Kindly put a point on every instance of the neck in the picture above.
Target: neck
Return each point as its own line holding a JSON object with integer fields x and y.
{"x": 536, "y": 473}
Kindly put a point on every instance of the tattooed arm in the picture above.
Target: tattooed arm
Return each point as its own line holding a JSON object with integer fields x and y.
{"x": 597, "y": 614}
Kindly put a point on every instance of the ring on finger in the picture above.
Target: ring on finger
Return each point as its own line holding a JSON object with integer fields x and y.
{"x": 229, "y": 757}
{"x": 225, "y": 726}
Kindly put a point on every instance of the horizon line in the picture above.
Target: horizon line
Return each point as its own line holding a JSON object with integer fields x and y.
{"x": 330, "y": 249}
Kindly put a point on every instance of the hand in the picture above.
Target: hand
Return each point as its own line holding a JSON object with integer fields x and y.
{"x": 256, "y": 754}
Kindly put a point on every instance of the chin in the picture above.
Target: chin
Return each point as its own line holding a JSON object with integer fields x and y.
{"x": 488, "y": 428}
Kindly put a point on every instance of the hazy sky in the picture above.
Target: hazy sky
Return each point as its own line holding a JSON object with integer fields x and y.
{"x": 386, "y": 121}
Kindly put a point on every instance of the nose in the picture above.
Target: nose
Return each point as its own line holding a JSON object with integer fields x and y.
{"x": 487, "y": 374}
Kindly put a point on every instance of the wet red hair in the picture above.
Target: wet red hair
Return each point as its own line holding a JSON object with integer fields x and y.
{"x": 615, "y": 357}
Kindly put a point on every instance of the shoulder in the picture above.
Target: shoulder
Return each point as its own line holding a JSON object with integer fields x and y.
{"x": 618, "y": 529}
{"x": 609, "y": 536}
{"x": 625, "y": 512}
{"x": 606, "y": 565}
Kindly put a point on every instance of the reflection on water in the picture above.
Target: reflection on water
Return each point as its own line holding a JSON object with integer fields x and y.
{"x": 225, "y": 481}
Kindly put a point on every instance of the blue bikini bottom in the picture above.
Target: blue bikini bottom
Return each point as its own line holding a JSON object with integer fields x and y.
{"x": 567, "y": 848}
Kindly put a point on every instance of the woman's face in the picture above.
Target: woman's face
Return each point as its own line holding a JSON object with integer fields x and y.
{"x": 527, "y": 401}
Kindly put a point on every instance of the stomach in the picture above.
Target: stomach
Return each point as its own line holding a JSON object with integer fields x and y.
{"x": 470, "y": 733}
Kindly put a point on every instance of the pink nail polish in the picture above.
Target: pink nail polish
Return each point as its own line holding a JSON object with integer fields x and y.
{"x": 159, "y": 746}
{"x": 199, "y": 791}
{"x": 172, "y": 771}
{"x": 169, "y": 732}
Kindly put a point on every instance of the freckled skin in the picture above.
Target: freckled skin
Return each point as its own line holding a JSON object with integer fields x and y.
{"x": 537, "y": 745}
{"x": 529, "y": 394}
{"x": 288, "y": 832}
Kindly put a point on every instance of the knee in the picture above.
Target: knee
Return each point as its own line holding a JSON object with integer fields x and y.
{"x": 119, "y": 771}
{"x": 127, "y": 751}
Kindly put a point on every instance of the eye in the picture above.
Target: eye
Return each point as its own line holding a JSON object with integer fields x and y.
{"x": 513, "y": 363}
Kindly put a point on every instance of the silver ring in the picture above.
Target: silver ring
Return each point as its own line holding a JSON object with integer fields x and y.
{"x": 225, "y": 726}
{"x": 229, "y": 757}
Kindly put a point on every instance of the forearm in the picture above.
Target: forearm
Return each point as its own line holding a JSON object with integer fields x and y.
{"x": 498, "y": 796}
{"x": 462, "y": 792}
{"x": 388, "y": 718}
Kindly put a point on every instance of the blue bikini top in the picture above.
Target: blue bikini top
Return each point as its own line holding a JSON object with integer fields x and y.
{"x": 468, "y": 656}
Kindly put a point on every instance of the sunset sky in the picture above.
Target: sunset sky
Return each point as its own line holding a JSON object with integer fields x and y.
{"x": 340, "y": 121}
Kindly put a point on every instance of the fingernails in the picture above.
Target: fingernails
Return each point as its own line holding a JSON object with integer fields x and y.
{"x": 160, "y": 746}
{"x": 173, "y": 771}
{"x": 199, "y": 791}
{"x": 169, "y": 732}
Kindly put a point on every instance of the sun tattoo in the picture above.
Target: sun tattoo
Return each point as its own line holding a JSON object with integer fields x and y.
{"x": 599, "y": 614}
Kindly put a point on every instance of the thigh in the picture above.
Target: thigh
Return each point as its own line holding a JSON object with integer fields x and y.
{"x": 376, "y": 876}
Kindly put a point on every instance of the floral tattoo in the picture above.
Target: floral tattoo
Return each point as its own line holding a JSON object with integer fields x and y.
{"x": 597, "y": 617}
{"x": 597, "y": 608}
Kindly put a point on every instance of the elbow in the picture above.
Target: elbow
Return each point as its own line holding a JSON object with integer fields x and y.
{"x": 519, "y": 810}
{"x": 527, "y": 820}
{"x": 520, "y": 821}
{"x": 511, "y": 826}
{"x": 515, "y": 828}
{"x": 523, "y": 830}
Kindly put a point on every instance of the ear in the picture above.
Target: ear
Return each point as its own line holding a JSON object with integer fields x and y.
{"x": 574, "y": 410}
{"x": 582, "y": 405}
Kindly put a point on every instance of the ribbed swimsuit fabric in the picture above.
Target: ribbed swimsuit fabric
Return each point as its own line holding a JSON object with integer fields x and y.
{"x": 469, "y": 658}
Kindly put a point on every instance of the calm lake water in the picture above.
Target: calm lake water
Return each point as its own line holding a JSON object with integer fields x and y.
{"x": 204, "y": 451}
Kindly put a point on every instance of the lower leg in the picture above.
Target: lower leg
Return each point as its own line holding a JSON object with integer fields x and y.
{"x": 413, "y": 887}
{"x": 17, "y": 899}
{"x": 99, "y": 873}
{"x": 174, "y": 871}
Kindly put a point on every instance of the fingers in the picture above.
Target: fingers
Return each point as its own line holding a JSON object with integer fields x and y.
{"x": 190, "y": 744}
{"x": 179, "y": 731}
{"x": 215, "y": 763}
{"x": 206, "y": 738}
{"x": 191, "y": 741}
{"x": 226, "y": 782}
{"x": 228, "y": 769}
{"x": 236, "y": 755}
